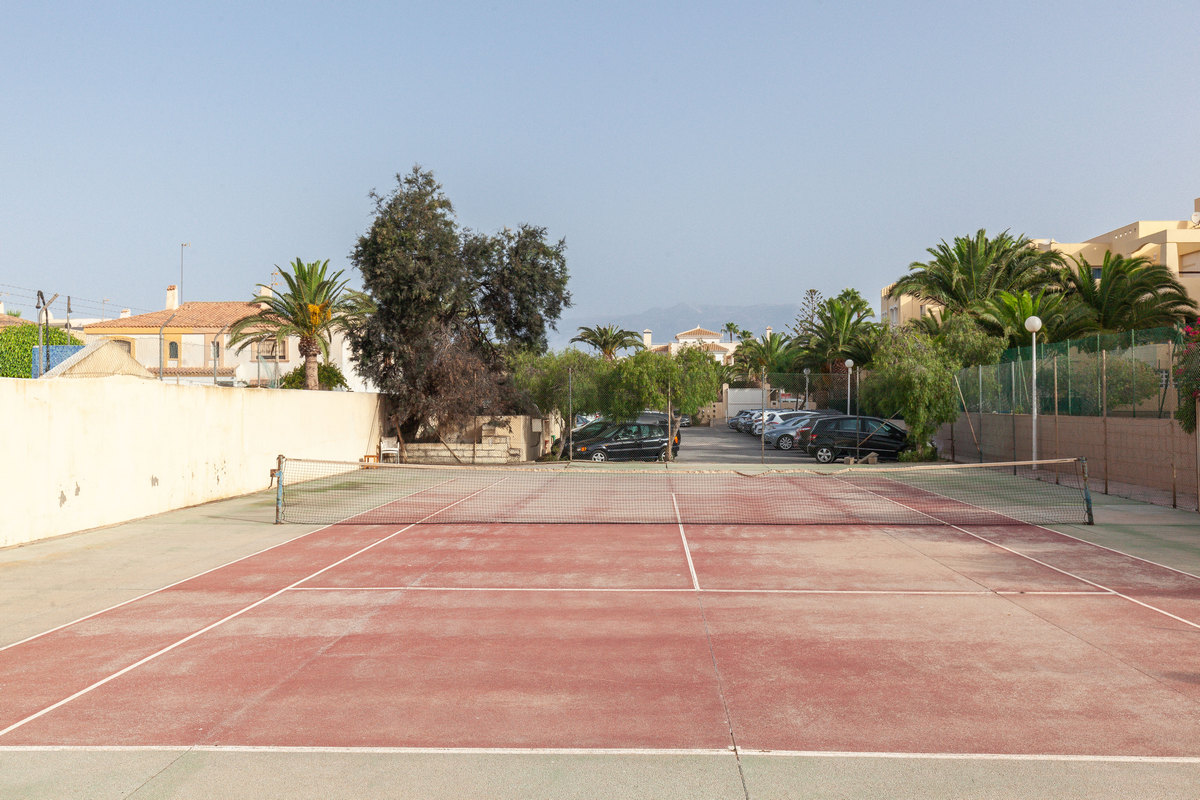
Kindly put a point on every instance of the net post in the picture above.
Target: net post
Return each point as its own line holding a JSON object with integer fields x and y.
{"x": 1087, "y": 494}
{"x": 279, "y": 489}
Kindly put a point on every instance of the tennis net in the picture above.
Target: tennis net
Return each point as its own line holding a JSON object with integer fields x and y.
{"x": 1042, "y": 492}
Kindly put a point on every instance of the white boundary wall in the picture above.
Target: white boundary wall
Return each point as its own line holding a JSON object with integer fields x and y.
{"x": 84, "y": 452}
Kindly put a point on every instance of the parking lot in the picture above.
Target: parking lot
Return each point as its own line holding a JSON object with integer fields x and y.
{"x": 723, "y": 445}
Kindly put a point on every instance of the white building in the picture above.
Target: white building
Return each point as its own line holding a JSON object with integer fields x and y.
{"x": 702, "y": 338}
{"x": 189, "y": 343}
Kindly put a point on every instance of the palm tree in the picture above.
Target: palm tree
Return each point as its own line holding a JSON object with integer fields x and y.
{"x": 842, "y": 329}
{"x": 973, "y": 269}
{"x": 1006, "y": 314}
{"x": 608, "y": 339}
{"x": 733, "y": 329}
{"x": 1122, "y": 294}
{"x": 313, "y": 308}
{"x": 774, "y": 352}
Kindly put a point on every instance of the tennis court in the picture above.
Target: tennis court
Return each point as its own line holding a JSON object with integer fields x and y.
{"x": 719, "y": 623}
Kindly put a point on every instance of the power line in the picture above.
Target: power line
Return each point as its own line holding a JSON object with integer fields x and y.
{"x": 82, "y": 302}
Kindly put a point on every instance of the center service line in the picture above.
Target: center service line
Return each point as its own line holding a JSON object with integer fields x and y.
{"x": 686, "y": 550}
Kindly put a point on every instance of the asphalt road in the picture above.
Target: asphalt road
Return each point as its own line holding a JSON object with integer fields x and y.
{"x": 723, "y": 445}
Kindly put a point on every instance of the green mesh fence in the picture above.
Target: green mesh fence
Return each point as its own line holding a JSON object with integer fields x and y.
{"x": 1124, "y": 374}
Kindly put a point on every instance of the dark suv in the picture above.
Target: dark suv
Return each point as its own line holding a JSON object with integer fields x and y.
{"x": 626, "y": 441}
{"x": 830, "y": 438}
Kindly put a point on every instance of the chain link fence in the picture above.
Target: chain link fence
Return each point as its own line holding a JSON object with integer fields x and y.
{"x": 1113, "y": 375}
{"x": 1110, "y": 398}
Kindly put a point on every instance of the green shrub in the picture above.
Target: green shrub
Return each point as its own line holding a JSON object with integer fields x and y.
{"x": 328, "y": 376}
{"x": 16, "y": 348}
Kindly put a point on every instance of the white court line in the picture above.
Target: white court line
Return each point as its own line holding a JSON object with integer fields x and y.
{"x": 602, "y": 751}
{"x": 518, "y": 751}
{"x": 207, "y": 571}
{"x": 687, "y": 551}
{"x": 975, "y": 756}
{"x": 634, "y": 590}
{"x": 1061, "y": 533}
{"x": 235, "y": 614}
{"x": 1018, "y": 553}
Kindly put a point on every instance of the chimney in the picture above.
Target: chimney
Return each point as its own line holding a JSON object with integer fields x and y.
{"x": 172, "y": 297}
{"x": 768, "y": 336}
{"x": 125, "y": 311}
{"x": 1, "y": 307}
{"x": 646, "y": 338}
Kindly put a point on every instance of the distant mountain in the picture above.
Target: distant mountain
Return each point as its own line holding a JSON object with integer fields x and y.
{"x": 666, "y": 322}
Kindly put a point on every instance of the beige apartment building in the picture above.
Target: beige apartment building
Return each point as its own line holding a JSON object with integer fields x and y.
{"x": 1173, "y": 243}
{"x": 899, "y": 310}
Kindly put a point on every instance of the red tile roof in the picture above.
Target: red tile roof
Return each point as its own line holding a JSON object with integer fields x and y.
{"x": 9, "y": 321}
{"x": 212, "y": 315}
{"x": 698, "y": 333}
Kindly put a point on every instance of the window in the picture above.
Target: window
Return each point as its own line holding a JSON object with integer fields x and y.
{"x": 173, "y": 350}
{"x": 1096, "y": 272}
{"x": 869, "y": 426}
{"x": 271, "y": 350}
{"x": 125, "y": 345}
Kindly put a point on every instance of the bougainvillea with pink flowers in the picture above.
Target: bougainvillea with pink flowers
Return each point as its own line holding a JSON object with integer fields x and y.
{"x": 1187, "y": 376}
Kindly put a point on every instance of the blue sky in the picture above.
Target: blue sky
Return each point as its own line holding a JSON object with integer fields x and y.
{"x": 694, "y": 152}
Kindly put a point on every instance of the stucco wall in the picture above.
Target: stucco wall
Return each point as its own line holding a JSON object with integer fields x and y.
{"x": 95, "y": 451}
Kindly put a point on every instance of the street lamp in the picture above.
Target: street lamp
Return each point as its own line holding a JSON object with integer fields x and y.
{"x": 179, "y": 294}
{"x": 1033, "y": 325}
{"x": 849, "y": 366}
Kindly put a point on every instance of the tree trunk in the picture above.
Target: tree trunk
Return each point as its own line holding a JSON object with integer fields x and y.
{"x": 311, "y": 379}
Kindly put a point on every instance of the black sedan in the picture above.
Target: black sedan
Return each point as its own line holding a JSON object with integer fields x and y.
{"x": 626, "y": 441}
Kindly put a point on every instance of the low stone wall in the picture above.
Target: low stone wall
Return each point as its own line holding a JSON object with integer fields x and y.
{"x": 85, "y": 452}
{"x": 486, "y": 440}
{"x": 457, "y": 453}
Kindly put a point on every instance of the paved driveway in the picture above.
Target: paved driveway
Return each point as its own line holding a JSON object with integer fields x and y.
{"x": 723, "y": 445}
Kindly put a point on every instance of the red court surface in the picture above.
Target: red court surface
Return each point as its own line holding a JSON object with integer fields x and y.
{"x": 936, "y": 639}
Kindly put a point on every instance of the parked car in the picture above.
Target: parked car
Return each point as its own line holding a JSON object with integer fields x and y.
{"x": 736, "y": 418}
{"x": 590, "y": 429}
{"x": 627, "y": 441}
{"x": 685, "y": 421}
{"x": 774, "y": 419}
{"x": 783, "y": 436}
{"x": 829, "y": 438}
{"x": 746, "y": 423}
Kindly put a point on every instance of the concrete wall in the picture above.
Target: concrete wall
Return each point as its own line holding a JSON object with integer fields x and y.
{"x": 1151, "y": 458}
{"x": 88, "y": 452}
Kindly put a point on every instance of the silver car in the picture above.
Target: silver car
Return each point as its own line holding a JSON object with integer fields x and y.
{"x": 783, "y": 437}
